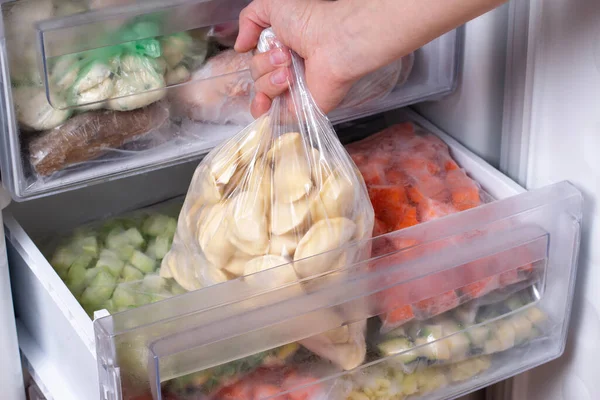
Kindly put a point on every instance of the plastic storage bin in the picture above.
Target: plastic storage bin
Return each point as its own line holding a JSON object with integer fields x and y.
{"x": 170, "y": 343}
{"x": 96, "y": 90}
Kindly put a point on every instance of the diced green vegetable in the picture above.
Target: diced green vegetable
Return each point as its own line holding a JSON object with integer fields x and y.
{"x": 131, "y": 274}
{"x": 63, "y": 258}
{"x": 479, "y": 335}
{"x": 76, "y": 281}
{"x": 135, "y": 237}
{"x": 124, "y": 252}
{"x": 159, "y": 224}
{"x": 123, "y": 297}
{"x": 89, "y": 245}
{"x": 433, "y": 351}
{"x": 143, "y": 262}
{"x": 402, "y": 347}
{"x": 100, "y": 289}
{"x": 154, "y": 283}
{"x": 111, "y": 262}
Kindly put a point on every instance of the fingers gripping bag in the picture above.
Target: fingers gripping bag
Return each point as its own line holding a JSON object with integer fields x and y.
{"x": 282, "y": 190}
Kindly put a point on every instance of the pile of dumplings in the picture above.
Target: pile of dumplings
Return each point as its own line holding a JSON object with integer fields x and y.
{"x": 267, "y": 199}
{"x": 260, "y": 201}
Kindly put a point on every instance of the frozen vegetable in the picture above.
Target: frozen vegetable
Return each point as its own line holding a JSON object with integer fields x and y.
{"x": 411, "y": 178}
{"x": 89, "y": 135}
{"x": 216, "y": 381}
{"x": 114, "y": 265}
{"x": 273, "y": 194}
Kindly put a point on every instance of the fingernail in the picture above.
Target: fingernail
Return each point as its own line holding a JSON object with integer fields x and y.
{"x": 279, "y": 77}
{"x": 279, "y": 57}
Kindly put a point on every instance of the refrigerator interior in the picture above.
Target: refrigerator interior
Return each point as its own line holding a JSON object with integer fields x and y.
{"x": 87, "y": 67}
{"x": 54, "y": 319}
{"x": 478, "y": 105}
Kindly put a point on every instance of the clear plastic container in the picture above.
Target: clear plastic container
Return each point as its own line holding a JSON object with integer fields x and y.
{"x": 108, "y": 89}
{"x": 530, "y": 239}
{"x": 320, "y": 338}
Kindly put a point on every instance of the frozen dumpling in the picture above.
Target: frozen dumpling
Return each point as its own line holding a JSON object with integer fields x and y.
{"x": 93, "y": 85}
{"x": 33, "y": 110}
{"x": 136, "y": 84}
{"x": 323, "y": 237}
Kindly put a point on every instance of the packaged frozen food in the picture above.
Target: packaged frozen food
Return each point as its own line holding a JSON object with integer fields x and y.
{"x": 280, "y": 191}
{"x": 409, "y": 362}
{"x": 89, "y": 135}
{"x": 411, "y": 179}
{"x": 380, "y": 83}
{"x": 113, "y": 265}
{"x": 222, "y": 90}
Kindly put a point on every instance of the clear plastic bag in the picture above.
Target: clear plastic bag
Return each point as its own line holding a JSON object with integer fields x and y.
{"x": 221, "y": 91}
{"x": 380, "y": 83}
{"x": 282, "y": 190}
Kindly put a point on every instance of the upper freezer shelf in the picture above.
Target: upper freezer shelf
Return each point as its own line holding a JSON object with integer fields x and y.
{"x": 468, "y": 280}
{"x": 97, "y": 90}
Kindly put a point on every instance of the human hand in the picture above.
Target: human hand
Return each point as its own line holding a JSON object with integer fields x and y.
{"x": 342, "y": 41}
{"x": 312, "y": 29}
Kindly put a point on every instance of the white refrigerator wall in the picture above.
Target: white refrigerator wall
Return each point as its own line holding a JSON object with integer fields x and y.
{"x": 564, "y": 143}
{"x": 529, "y": 103}
{"x": 473, "y": 113}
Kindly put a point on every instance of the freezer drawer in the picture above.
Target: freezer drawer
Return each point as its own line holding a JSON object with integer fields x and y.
{"x": 143, "y": 349}
{"x": 94, "y": 91}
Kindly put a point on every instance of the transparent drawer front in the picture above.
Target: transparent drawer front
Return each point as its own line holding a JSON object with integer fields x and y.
{"x": 96, "y": 90}
{"x": 483, "y": 296}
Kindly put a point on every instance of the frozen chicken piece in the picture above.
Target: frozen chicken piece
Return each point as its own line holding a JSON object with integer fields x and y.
{"x": 219, "y": 92}
{"x": 88, "y": 136}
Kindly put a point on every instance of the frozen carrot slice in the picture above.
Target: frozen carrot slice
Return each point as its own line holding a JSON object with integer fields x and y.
{"x": 434, "y": 188}
{"x": 528, "y": 268}
{"x": 450, "y": 165}
{"x": 432, "y": 209}
{"x": 396, "y": 177}
{"x": 398, "y": 316}
{"x": 359, "y": 158}
{"x": 409, "y": 219}
{"x": 372, "y": 174}
{"x": 389, "y": 203}
{"x": 418, "y": 164}
{"x": 380, "y": 157}
{"x": 415, "y": 195}
{"x": 480, "y": 288}
{"x": 465, "y": 193}
{"x": 379, "y": 228}
{"x": 436, "y": 305}
{"x": 509, "y": 277}
{"x": 238, "y": 391}
{"x": 308, "y": 387}
{"x": 266, "y": 391}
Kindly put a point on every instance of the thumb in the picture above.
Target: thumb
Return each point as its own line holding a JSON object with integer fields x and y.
{"x": 327, "y": 90}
